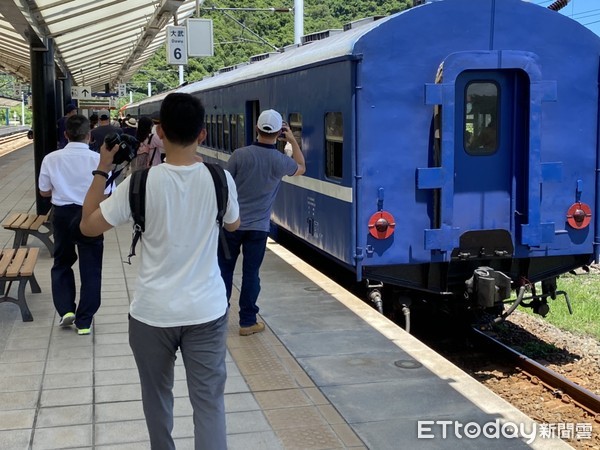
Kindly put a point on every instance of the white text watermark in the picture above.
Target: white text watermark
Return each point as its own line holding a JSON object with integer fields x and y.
{"x": 433, "y": 429}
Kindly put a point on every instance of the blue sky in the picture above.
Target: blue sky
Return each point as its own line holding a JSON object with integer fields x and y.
{"x": 586, "y": 12}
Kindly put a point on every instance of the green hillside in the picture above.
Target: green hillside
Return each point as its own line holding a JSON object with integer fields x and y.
{"x": 262, "y": 32}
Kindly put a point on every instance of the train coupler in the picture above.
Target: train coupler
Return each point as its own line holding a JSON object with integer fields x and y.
{"x": 488, "y": 287}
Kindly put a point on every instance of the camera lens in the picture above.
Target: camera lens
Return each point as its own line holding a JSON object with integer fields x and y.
{"x": 111, "y": 140}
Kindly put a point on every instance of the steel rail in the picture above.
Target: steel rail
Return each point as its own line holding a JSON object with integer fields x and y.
{"x": 13, "y": 136}
{"x": 584, "y": 398}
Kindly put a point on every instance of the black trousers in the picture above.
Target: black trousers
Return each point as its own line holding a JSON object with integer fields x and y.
{"x": 67, "y": 238}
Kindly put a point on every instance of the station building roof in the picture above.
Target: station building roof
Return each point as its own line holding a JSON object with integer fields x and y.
{"x": 96, "y": 42}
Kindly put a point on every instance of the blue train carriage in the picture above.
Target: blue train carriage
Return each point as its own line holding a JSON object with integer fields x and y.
{"x": 438, "y": 144}
{"x": 477, "y": 141}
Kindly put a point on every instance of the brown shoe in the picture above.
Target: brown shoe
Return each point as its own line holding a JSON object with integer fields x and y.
{"x": 256, "y": 328}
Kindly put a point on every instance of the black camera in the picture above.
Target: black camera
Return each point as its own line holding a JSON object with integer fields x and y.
{"x": 128, "y": 146}
{"x": 284, "y": 127}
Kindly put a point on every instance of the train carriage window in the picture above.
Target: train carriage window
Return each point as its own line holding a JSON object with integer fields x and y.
{"x": 213, "y": 131}
{"x": 234, "y": 131}
{"x": 296, "y": 127}
{"x": 241, "y": 142}
{"x": 208, "y": 131}
{"x": 220, "y": 132}
{"x": 334, "y": 144}
{"x": 481, "y": 117}
{"x": 226, "y": 130}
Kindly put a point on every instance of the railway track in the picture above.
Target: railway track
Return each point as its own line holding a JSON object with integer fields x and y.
{"x": 560, "y": 387}
{"x": 14, "y": 141}
{"x": 560, "y": 406}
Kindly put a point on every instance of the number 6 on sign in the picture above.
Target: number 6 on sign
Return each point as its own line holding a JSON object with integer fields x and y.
{"x": 177, "y": 45}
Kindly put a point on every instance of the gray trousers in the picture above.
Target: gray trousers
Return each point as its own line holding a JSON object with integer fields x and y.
{"x": 203, "y": 348}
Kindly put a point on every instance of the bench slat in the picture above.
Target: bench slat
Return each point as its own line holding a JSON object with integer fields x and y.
{"x": 10, "y": 219}
{"x": 24, "y": 221}
{"x": 39, "y": 221}
{"x": 15, "y": 266}
{"x": 29, "y": 263}
{"x": 22, "y": 218}
{"x": 15, "y": 220}
{"x": 5, "y": 259}
{"x": 26, "y": 224}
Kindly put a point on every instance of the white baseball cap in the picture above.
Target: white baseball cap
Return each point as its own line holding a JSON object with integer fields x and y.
{"x": 269, "y": 121}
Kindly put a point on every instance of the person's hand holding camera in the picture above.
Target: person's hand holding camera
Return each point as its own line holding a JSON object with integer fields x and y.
{"x": 107, "y": 155}
{"x": 286, "y": 133}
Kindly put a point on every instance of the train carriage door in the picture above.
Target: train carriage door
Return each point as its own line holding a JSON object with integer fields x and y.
{"x": 485, "y": 141}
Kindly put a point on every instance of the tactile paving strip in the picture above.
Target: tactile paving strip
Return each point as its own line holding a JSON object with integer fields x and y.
{"x": 297, "y": 411}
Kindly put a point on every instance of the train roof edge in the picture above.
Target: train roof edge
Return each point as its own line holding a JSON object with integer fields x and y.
{"x": 316, "y": 48}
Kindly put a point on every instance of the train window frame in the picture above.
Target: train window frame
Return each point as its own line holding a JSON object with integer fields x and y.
{"x": 219, "y": 132}
{"x": 213, "y": 126}
{"x": 234, "y": 131}
{"x": 209, "y": 131}
{"x": 334, "y": 145}
{"x": 241, "y": 131}
{"x": 295, "y": 123}
{"x": 226, "y": 133}
{"x": 487, "y": 141}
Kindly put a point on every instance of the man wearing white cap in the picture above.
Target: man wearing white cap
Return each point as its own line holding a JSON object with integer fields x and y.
{"x": 257, "y": 170}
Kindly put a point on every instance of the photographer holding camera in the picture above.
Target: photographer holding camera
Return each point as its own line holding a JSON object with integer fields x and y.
{"x": 66, "y": 175}
{"x": 179, "y": 300}
{"x": 257, "y": 170}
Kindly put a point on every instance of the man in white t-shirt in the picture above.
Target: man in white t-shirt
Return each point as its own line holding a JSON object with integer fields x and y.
{"x": 180, "y": 300}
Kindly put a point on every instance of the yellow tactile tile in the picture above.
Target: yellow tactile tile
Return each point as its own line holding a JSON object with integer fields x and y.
{"x": 299, "y": 417}
{"x": 282, "y": 399}
{"x": 264, "y": 365}
{"x": 270, "y": 382}
{"x": 249, "y": 353}
{"x": 309, "y": 438}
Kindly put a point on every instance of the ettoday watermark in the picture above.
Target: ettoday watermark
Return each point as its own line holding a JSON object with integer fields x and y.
{"x": 435, "y": 429}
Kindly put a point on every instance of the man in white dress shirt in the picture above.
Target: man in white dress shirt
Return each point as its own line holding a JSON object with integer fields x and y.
{"x": 66, "y": 175}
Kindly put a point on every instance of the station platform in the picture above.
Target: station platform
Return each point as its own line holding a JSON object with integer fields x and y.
{"x": 329, "y": 372}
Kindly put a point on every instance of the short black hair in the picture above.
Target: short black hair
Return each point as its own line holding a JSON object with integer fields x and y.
{"x": 181, "y": 118}
{"x": 77, "y": 128}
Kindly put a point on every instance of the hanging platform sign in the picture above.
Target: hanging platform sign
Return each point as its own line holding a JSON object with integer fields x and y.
{"x": 200, "y": 37}
{"x": 81, "y": 92}
{"x": 95, "y": 103}
{"x": 177, "y": 52}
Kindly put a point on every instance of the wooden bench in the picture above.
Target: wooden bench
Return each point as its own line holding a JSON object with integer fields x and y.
{"x": 24, "y": 224}
{"x": 18, "y": 265}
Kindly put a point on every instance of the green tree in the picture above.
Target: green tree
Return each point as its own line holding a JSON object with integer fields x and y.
{"x": 234, "y": 43}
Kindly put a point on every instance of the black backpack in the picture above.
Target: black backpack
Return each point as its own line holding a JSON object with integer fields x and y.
{"x": 137, "y": 203}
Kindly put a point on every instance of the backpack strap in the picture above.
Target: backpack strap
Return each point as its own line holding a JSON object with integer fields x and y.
{"x": 222, "y": 191}
{"x": 137, "y": 203}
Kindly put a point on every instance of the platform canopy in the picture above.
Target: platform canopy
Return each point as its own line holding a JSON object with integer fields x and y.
{"x": 96, "y": 42}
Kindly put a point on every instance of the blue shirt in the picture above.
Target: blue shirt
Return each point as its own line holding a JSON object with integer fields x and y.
{"x": 62, "y": 140}
{"x": 257, "y": 170}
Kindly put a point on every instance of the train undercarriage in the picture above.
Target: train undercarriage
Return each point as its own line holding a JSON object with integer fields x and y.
{"x": 493, "y": 289}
